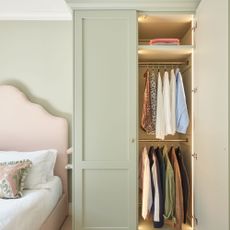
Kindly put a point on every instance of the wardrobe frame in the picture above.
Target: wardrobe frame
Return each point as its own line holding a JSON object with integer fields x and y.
{"x": 177, "y": 7}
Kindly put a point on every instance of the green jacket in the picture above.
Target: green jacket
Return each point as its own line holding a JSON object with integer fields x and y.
{"x": 169, "y": 188}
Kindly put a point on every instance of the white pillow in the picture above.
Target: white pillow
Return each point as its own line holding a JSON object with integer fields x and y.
{"x": 43, "y": 162}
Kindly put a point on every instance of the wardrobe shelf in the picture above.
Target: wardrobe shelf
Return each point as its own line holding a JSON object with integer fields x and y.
{"x": 164, "y": 52}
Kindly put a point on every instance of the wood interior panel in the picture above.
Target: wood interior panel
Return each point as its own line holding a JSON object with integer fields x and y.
{"x": 167, "y": 54}
{"x": 165, "y": 26}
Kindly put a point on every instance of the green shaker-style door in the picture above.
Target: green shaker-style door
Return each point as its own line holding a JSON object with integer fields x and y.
{"x": 105, "y": 187}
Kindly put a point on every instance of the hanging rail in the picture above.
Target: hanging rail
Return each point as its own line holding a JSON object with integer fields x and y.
{"x": 156, "y": 140}
{"x": 164, "y": 63}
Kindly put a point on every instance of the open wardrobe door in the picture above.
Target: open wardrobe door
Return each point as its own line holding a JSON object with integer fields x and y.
{"x": 211, "y": 116}
{"x": 105, "y": 164}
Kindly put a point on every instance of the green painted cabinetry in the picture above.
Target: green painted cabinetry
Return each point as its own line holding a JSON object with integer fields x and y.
{"x": 105, "y": 120}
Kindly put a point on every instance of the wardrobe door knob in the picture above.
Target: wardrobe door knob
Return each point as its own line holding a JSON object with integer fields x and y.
{"x": 133, "y": 140}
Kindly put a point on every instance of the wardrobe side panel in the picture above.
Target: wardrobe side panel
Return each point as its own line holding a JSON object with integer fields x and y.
{"x": 106, "y": 114}
{"x": 211, "y": 116}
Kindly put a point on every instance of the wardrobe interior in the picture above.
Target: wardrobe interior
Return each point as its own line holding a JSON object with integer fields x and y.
{"x": 161, "y": 57}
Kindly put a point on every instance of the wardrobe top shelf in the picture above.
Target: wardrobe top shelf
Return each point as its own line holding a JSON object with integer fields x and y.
{"x": 164, "y": 52}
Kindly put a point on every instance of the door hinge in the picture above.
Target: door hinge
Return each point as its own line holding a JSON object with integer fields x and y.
{"x": 195, "y": 220}
{"x": 195, "y": 156}
{"x": 194, "y": 90}
{"x": 194, "y": 26}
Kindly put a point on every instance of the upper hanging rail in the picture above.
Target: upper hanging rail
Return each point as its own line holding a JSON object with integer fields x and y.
{"x": 164, "y": 63}
{"x": 156, "y": 140}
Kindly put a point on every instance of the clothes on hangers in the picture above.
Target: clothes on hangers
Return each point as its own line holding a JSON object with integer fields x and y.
{"x": 160, "y": 121}
{"x": 167, "y": 107}
{"x": 146, "y": 118}
{"x": 158, "y": 220}
{"x": 153, "y": 99}
{"x": 161, "y": 164}
{"x": 169, "y": 187}
{"x": 185, "y": 182}
{"x": 182, "y": 118}
{"x": 164, "y": 109}
{"x": 173, "y": 101}
{"x": 179, "y": 208}
{"x": 167, "y": 183}
{"x": 147, "y": 198}
{"x": 151, "y": 162}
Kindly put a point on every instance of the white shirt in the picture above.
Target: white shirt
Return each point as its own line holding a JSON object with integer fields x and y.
{"x": 160, "y": 119}
{"x": 167, "y": 107}
{"x": 173, "y": 101}
{"x": 147, "y": 199}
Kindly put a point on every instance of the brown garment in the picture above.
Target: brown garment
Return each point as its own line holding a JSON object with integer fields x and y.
{"x": 146, "y": 117}
{"x": 179, "y": 209}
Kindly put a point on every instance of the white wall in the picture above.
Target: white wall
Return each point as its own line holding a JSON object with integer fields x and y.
{"x": 36, "y": 57}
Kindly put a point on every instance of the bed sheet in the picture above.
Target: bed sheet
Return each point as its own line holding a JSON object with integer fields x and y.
{"x": 30, "y": 211}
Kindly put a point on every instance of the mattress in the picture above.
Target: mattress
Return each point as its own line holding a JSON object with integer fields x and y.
{"x": 30, "y": 211}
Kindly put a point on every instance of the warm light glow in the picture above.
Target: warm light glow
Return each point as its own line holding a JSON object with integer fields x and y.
{"x": 140, "y": 51}
{"x": 142, "y": 18}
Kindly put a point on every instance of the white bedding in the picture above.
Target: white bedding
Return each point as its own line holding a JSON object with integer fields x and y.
{"x": 30, "y": 211}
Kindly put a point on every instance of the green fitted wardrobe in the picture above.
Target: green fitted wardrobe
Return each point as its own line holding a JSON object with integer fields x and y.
{"x": 111, "y": 52}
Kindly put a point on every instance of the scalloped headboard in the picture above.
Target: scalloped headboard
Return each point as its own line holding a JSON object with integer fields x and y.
{"x": 25, "y": 126}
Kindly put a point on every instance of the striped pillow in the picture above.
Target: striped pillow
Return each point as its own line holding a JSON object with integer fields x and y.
{"x": 12, "y": 177}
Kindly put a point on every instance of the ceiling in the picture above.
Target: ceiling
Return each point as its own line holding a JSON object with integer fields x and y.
{"x": 34, "y": 10}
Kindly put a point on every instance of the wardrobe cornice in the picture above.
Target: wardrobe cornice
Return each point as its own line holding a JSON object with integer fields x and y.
{"x": 144, "y": 5}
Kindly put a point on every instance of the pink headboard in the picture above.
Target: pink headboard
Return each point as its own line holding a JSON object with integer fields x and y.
{"x": 25, "y": 126}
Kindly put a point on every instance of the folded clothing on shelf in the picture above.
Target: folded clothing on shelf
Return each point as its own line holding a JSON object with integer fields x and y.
{"x": 164, "y": 41}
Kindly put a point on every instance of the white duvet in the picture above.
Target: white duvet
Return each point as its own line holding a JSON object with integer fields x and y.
{"x": 30, "y": 211}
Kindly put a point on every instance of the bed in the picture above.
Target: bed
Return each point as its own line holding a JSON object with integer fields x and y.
{"x": 25, "y": 126}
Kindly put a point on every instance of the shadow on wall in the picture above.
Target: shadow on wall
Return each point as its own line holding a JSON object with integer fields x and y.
{"x": 44, "y": 103}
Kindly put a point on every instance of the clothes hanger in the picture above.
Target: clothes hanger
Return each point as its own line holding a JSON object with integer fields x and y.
{"x": 146, "y": 74}
{"x": 158, "y": 69}
{"x": 152, "y": 69}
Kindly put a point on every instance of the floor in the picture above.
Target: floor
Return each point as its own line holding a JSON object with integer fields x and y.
{"x": 143, "y": 225}
{"x": 68, "y": 224}
{"x": 147, "y": 225}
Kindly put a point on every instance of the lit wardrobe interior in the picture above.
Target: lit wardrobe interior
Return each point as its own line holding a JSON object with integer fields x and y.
{"x": 165, "y": 57}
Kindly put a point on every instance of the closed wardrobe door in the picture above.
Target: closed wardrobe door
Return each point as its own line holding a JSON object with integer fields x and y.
{"x": 105, "y": 164}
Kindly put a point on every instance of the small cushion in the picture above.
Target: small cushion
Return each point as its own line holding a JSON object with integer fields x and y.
{"x": 12, "y": 177}
{"x": 43, "y": 165}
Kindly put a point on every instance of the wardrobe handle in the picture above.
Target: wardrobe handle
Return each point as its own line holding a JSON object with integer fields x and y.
{"x": 133, "y": 140}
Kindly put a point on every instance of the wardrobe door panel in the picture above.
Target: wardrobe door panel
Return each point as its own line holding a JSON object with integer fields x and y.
{"x": 106, "y": 198}
{"x": 211, "y": 116}
{"x": 105, "y": 120}
{"x": 106, "y": 86}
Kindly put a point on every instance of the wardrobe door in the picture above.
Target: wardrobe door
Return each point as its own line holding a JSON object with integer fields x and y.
{"x": 211, "y": 116}
{"x": 105, "y": 164}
